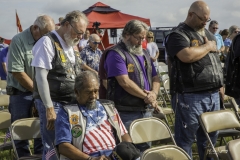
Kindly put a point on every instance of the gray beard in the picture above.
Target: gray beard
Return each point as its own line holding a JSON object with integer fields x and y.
{"x": 91, "y": 105}
{"x": 133, "y": 49}
{"x": 70, "y": 42}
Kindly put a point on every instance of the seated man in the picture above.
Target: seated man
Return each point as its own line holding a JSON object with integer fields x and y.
{"x": 89, "y": 128}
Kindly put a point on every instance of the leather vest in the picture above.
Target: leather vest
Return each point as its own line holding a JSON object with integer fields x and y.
{"x": 78, "y": 123}
{"x": 61, "y": 78}
{"x": 122, "y": 99}
{"x": 204, "y": 74}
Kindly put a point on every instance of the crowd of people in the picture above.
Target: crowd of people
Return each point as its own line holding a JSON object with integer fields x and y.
{"x": 61, "y": 72}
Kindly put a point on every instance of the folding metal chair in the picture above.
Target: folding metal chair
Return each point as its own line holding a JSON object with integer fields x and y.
{"x": 149, "y": 129}
{"x": 25, "y": 129}
{"x": 214, "y": 121}
{"x": 4, "y": 100}
{"x": 233, "y": 148}
{"x": 5, "y": 122}
{"x": 167, "y": 152}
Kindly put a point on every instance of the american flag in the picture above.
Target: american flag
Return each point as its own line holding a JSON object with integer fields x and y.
{"x": 7, "y": 136}
{"x": 50, "y": 153}
{"x": 99, "y": 134}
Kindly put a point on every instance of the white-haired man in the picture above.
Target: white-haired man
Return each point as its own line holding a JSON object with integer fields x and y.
{"x": 56, "y": 65}
{"x": 21, "y": 73}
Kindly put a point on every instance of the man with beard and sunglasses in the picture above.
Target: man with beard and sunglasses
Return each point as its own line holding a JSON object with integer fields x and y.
{"x": 21, "y": 74}
{"x": 89, "y": 128}
{"x": 133, "y": 83}
{"x": 56, "y": 66}
{"x": 195, "y": 77}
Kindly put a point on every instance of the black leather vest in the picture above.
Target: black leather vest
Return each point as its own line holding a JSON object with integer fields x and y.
{"x": 204, "y": 74}
{"x": 61, "y": 78}
{"x": 122, "y": 99}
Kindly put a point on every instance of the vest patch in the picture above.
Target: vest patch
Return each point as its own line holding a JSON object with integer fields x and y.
{"x": 194, "y": 43}
{"x": 74, "y": 119}
{"x": 76, "y": 131}
{"x": 58, "y": 46}
{"x": 130, "y": 67}
{"x": 63, "y": 58}
{"x": 114, "y": 117}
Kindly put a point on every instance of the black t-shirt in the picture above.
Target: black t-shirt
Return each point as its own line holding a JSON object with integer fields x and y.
{"x": 177, "y": 42}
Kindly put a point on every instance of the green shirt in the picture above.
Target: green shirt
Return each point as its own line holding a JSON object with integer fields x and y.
{"x": 20, "y": 57}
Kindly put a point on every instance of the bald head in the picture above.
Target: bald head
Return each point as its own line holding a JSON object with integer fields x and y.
{"x": 199, "y": 7}
{"x": 94, "y": 37}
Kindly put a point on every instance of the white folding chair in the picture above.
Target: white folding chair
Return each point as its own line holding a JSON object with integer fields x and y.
{"x": 5, "y": 122}
{"x": 214, "y": 121}
{"x": 25, "y": 129}
{"x": 167, "y": 152}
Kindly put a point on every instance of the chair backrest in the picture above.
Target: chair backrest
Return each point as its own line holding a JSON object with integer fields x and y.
{"x": 161, "y": 64}
{"x": 218, "y": 120}
{"x": 4, "y": 100}
{"x": 3, "y": 84}
{"x": 233, "y": 148}
{"x": 5, "y": 119}
{"x": 149, "y": 129}
{"x": 166, "y": 84}
{"x": 166, "y": 152}
{"x": 25, "y": 129}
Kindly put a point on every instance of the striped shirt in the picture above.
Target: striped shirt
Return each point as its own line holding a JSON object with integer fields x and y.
{"x": 99, "y": 133}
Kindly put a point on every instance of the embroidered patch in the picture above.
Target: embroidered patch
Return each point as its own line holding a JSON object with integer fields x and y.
{"x": 130, "y": 67}
{"x": 58, "y": 46}
{"x": 74, "y": 119}
{"x": 114, "y": 117}
{"x": 76, "y": 131}
{"x": 63, "y": 59}
{"x": 194, "y": 43}
{"x": 115, "y": 156}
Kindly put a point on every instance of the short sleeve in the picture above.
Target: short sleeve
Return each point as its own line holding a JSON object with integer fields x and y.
{"x": 115, "y": 65}
{"x": 176, "y": 43}
{"x": 16, "y": 56}
{"x": 43, "y": 53}
{"x": 62, "y": 127}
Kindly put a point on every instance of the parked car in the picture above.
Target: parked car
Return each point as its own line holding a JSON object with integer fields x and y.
{"x": 159, "y": 34}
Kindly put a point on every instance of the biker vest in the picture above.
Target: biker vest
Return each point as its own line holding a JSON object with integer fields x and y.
{"x": 122, "y": 99}
{"x": 61, "y": 78}
{"x": 202, "y": 75}
{"x": 78, "y": 126}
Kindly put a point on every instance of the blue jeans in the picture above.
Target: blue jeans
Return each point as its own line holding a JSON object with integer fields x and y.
{"x": 128, "y": 117}
{"x": 188, "y": 107}
{"x": 20, "y": 107}
{"x": 48, "y": 136}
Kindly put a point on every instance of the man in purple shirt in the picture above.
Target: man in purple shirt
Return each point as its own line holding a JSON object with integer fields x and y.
{"x": 133, "y": 83}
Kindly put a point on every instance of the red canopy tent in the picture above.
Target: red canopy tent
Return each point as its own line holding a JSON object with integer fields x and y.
{"x": 109, "y": 18}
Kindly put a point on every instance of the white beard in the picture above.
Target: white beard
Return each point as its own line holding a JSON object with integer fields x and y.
{"x": 136, "y": 50}
{"x": 68, "y": 39}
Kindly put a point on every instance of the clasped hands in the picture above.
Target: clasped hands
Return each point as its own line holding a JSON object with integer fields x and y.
{"x": 150, "y": 98}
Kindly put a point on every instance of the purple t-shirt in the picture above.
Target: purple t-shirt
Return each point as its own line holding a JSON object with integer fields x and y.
{"x": 116, "y": 66}
{"x": 3, "y": 56}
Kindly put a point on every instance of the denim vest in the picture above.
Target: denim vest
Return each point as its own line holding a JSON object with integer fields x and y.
{"x": 204, "y": 74}
{"x": 122, "y": 99}
{"x": 61, "y": 78}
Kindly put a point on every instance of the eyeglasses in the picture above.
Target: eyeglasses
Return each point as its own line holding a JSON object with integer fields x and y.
{"x": 214, "y": 28}
{"x": 138, "y": 38}
{"x": 201, "y": 18}
{"x": 236, "y": 31}
{"x": 94, "y": 42}
{"x": 150, "y": 37}
{"x": 76, "y": 31}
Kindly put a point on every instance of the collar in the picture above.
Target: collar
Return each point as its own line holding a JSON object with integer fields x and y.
{"x": 30, "y": 38}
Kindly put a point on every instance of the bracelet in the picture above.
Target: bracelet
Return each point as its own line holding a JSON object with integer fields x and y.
{"x": 89, "y": 158}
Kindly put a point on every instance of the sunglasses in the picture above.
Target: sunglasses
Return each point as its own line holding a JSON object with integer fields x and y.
{"x": 150, "y": 37}
{"x": 94, "y": 42}
{"x": 214, "y": 28}
{"x": 236, "y": 31}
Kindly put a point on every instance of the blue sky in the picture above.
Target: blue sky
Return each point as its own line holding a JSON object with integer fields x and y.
{"x": 161, "y": 12}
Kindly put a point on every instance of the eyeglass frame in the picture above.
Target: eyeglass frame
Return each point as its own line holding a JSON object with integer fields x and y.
{"x": 209, "y": 19}
{"x": 137, "y": 38}
{"x": 76, "y": 31}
